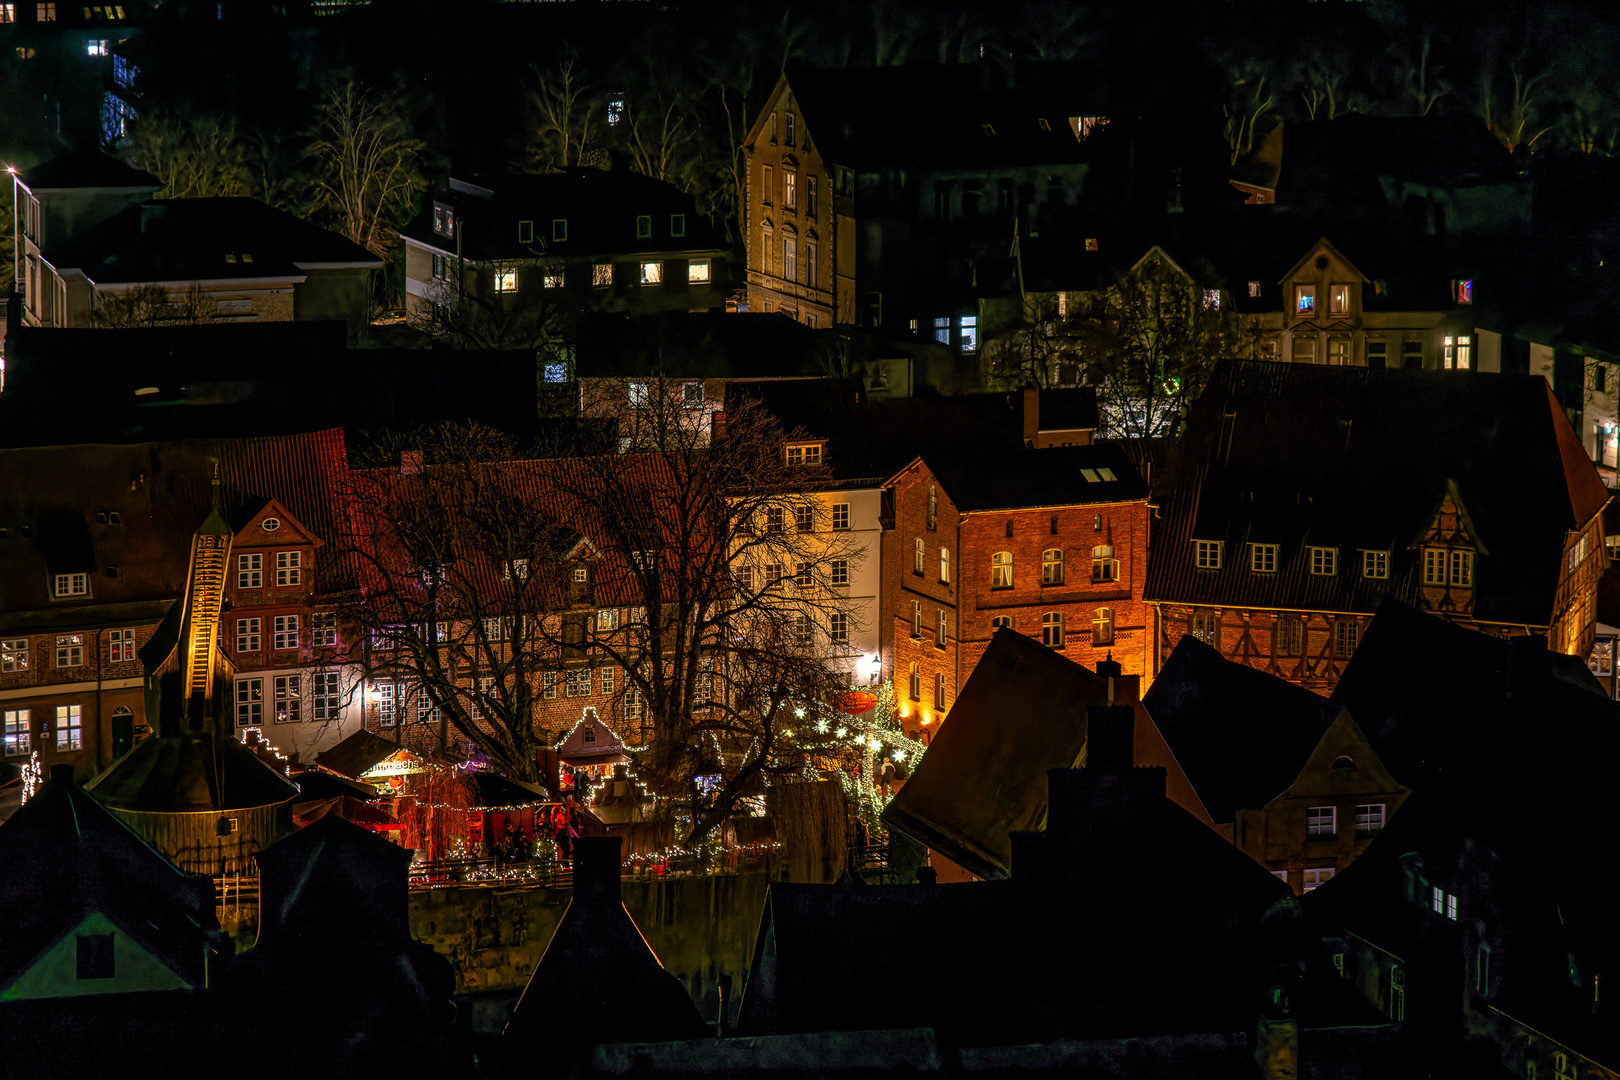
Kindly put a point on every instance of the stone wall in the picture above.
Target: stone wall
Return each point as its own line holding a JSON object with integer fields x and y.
{"x": 702, "y": 929}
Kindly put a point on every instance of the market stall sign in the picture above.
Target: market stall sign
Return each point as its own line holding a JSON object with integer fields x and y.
{"x": 856, "y": 702}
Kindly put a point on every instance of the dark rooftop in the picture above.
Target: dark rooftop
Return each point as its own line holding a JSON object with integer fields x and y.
{"x": 87, "y": 169}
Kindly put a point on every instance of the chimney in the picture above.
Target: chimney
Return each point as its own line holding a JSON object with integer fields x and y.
{"x": 1528, "y": 670}
{"x": 1110, "y": 738}
{"x": 596, "y": 869}
{"x": 1032, "y": 414}
{"x": 62, "y": 774}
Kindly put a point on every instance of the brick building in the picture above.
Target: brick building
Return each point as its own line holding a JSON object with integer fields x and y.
{"x": 1050, "y": 542}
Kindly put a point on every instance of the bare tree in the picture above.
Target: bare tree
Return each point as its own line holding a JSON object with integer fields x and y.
{"x": 195, "y": 155}
{"x": 1513, "y": 125}
{"x": 567, "y": 114}
{"x": 1248, "y": 102}
{"x": 694, "y": 569}
{"x": 151, "y": 305}
{"x": 369, "y": 164}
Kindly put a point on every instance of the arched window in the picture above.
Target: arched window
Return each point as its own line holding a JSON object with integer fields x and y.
{"x": 1104, "y": 567}
{"x": 1052, "y": 629}
{"x": 1343, "y": 762}
{"x": 1102, "y": 626}
{"x": 1000, "y": 622}
{"x": 1052, "y": 566}
{"x": 933, "y": 505}
{"x": 1001, "y": 570}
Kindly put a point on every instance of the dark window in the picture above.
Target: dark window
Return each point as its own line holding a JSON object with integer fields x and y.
{"x": 95, "y": 956}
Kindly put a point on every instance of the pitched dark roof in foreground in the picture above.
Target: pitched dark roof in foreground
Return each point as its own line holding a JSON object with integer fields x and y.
{"x": 205, "y": 240}
{"x": 1428, "y": 728}
{"x": 1240, "y": 734}
{"x": 63, "y": 856}
{"x": 87, "y": 169}
{"x": 1353, "y": 458}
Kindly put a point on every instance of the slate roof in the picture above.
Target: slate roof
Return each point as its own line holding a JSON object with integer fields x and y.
{"x": 1240, "y": 734}
{"x": 63, "y": 855}
{"x": 1361, "y": 458}
{"x": 850, "y": 113}
{"x": 1022, "y": 478}
{"x": 205, "y": 240}
{"x": 600, "y": 206}
{"x": 161, "y": 493}
{"x": 1021, "y": 712}
{"x": 87, "y": 169}
{"x": 1427, "y": 729}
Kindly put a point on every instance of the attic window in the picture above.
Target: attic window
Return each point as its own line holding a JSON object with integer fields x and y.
{"x": 1254, "y": 289}
{"x": 247, "y": 257}
{"x": 1342, "y": 762}
{"x": 1305, "y": 299}
{"x": 989, "y": 129}
{"x": 270, "y": 524}
{"x": 1339, "y": 299}
{"x": 229, "y": 257}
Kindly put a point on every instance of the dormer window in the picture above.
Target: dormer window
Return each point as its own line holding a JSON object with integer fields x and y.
{"x": 1324, "y": 561}
{"x": 1305, "y": 300}
{"x": 1338, "y": 299}
{"x": 1444, "y": 567}
{"x": 1207, "y": 554}
{"x": 70, "y": 585}
{"x": 804, "y": 454}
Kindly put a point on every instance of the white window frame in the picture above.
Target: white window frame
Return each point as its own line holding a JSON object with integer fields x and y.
{"x": 250, "y": 702}
{"x": 652, "y": 271}
{"x": 289, "y": 568}
{"x": 506, "y": 281}
{"x": 1001, "y": 570}
{"x": 699, "y": 271}
{"x": 67, "y": 586}
{"x": 838, "y": 628}
{"x": 120, "y": 646}
{"x": 838, "y": 572}
{"x": 1315, "y": 877}
{"x": 69, "y": 727}
{"x": 1370, "y": 819}
{"x": 69, "y": 650}
{"x": 1375, "y": 565}
{"x": 1052, "y": 635}
{"x": 1460, "y": 574}
{"x": 250, "y": 570}
{"x": 944, "y": 566}
{"x": 286, "y": 702}
{"x": 919, "y": 556}
{"x": 1052, "y": 566}
{"x": 1263, "y": 558}
{"x": 14, "y": 654}
{"x": 325, "y": 696}
{"x": 1324, "y": 561}
{"x": 16, "y": 733}
{"x": 1102, "y": 627}
{"x": 1319, "y": 828}
{"x": 840, "y": 516}
{"x": 286, "y": 632}
{"x": 249, "y": 632}
{"x": 1207, "y": 554}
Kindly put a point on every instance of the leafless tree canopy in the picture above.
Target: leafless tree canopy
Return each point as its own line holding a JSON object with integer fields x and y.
{"x": 694, "y": 563}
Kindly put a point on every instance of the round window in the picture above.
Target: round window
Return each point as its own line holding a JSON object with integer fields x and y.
{"x": 270, "y": 524}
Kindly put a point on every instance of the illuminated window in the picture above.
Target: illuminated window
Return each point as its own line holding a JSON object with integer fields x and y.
{"x": 1321, "y": 822}
{"x": 804, "y": 454}
{"x": 644, "y": 227}
{"x": 602, "y": 274}
{"x": 970, "y": 333}
{"x": 444, "y": 219}
{"x": 1212, "y": 299}
{"x": 14, "y": 654}
{"x": 96, "y": 47}
{"x": 1346, "y": 633}
{"x": 70, "y": 650}
{"x": 652, "y": 272}
{"x": 120, "y": 646}
{"x": 1206, "y": 627}
{"x": 1207, "y": 554}
{"x": 249, "y": 702}
{"x": 838, "y": 627}
{"x": 1290, "y": 635}
{"x": 1465, "y": 292}
{"x": 1052, "y": 566}
{"x": 840, "y": 515}
{"x": 637, "y": 393}
{"x": 838, "y": 572}
{"x": 15, "y": 737}
{"x": 1369, "y": 818}
{"x": 1104, "y": 567}
{"x": 942, "y": 331}
{"x": 1305, "y": 299}
{"x": 69, "y": 727}
{"x": 1338, "y": 299}
{"x": 506, "y": 281}
{"x": 286, "y": 631}
{"x": 8, "y": 13}
{"x": 552, "y": 279}
{"x": 945, "y": 566}
{"x": 1001, "y": 570}
{"x": 247, "y": 635}
{"x": 698, "y": 271}
{"x": 1458, "y": 353}
{"x": 45, "y": 12}
{"x": 1052, "y": 629}
{"x": 790, "y": 191}
{"x": 1316, "y": 876}
{"x": 289, "y": 568}
{"x": 1102, "y": 626}
{"x": 1263, "y": 558}
{"x": 916, "y": 683}
{"x": 1375, "y": 564}
{"x": 72, "y": 585}
{"x": 286, "y": 704}
{"x": 1324, "y": 561}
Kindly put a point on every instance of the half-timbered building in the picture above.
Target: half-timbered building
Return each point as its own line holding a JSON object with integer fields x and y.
{"x": 1303, "y": 495}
